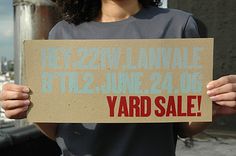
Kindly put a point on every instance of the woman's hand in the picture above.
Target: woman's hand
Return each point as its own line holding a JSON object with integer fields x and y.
{"x": 223, "y": 94}
{"x": 15, "y": 100}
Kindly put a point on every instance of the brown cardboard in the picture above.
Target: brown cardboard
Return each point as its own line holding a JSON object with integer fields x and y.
{"x": 146, "y": 80}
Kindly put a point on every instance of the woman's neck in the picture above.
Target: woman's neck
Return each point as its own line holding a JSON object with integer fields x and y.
{"x": 117, "y": 10}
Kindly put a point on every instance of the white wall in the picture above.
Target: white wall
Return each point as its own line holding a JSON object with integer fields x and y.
{"x": 164, "y": 3}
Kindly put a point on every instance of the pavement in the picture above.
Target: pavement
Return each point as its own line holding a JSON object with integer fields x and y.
{"x": 208, "y": 143}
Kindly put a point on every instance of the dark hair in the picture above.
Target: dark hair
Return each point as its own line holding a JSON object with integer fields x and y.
{"x": 79, "y": 11}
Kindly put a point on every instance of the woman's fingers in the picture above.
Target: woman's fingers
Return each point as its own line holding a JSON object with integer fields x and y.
{"x": 231, "y": 104}
{"x": 13, "y": 95}
{"x": 17, "y": 113}
{"x": 223, "y": 93}
{"x": 231, "y": 87}
{"x": 230, "y": 96}
{"x": 221, "y": 81}
{"x": 13, "y": 104}
{"x": 14, "y": 92}
{"x": 16, "y": 88}
{"x": 15, "y": 100}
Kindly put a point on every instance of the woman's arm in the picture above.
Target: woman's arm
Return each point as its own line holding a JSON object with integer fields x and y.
{"x": 188, "y": 130}
{"x": 48, "y": 129}
{"x": 223, "y": 94}
{"x": 16, "y": 101}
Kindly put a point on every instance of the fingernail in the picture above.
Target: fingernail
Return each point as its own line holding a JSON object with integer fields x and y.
{"x": 208, "y": 92}
{"x": 212, "y": 98}
{"x": 209, "y": 86}
{"x": 25, "y": 108}
{"x": 27, "y": 102}
{"x": 26, "y": 90}
{"x": 26, "y": 95}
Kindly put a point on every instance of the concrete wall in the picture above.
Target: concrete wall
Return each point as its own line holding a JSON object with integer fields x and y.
{"x": 217, "y": 19}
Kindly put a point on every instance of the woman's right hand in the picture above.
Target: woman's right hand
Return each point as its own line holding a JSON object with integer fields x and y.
{"x": 15, "y": 100}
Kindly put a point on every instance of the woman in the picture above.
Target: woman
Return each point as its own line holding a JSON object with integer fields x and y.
{"x": 119, "y": 19}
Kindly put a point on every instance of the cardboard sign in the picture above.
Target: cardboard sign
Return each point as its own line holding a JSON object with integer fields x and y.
{"x": 119, "y": 81}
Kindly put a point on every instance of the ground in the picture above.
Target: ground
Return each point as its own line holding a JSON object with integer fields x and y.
{"x": 208, "y": 144}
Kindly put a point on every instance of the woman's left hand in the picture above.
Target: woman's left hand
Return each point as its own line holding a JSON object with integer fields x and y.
{"x": 223, "y": 94}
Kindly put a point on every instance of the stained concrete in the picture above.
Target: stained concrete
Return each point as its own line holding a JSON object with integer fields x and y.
{"x": 208, "y": 144}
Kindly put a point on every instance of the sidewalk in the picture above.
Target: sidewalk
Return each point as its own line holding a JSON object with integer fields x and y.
{"x": 208, "y": 144}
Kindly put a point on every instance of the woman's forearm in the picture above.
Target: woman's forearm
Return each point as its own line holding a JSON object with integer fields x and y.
{"x": 189, "y": 130}
{"x": 48, "y": 129}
